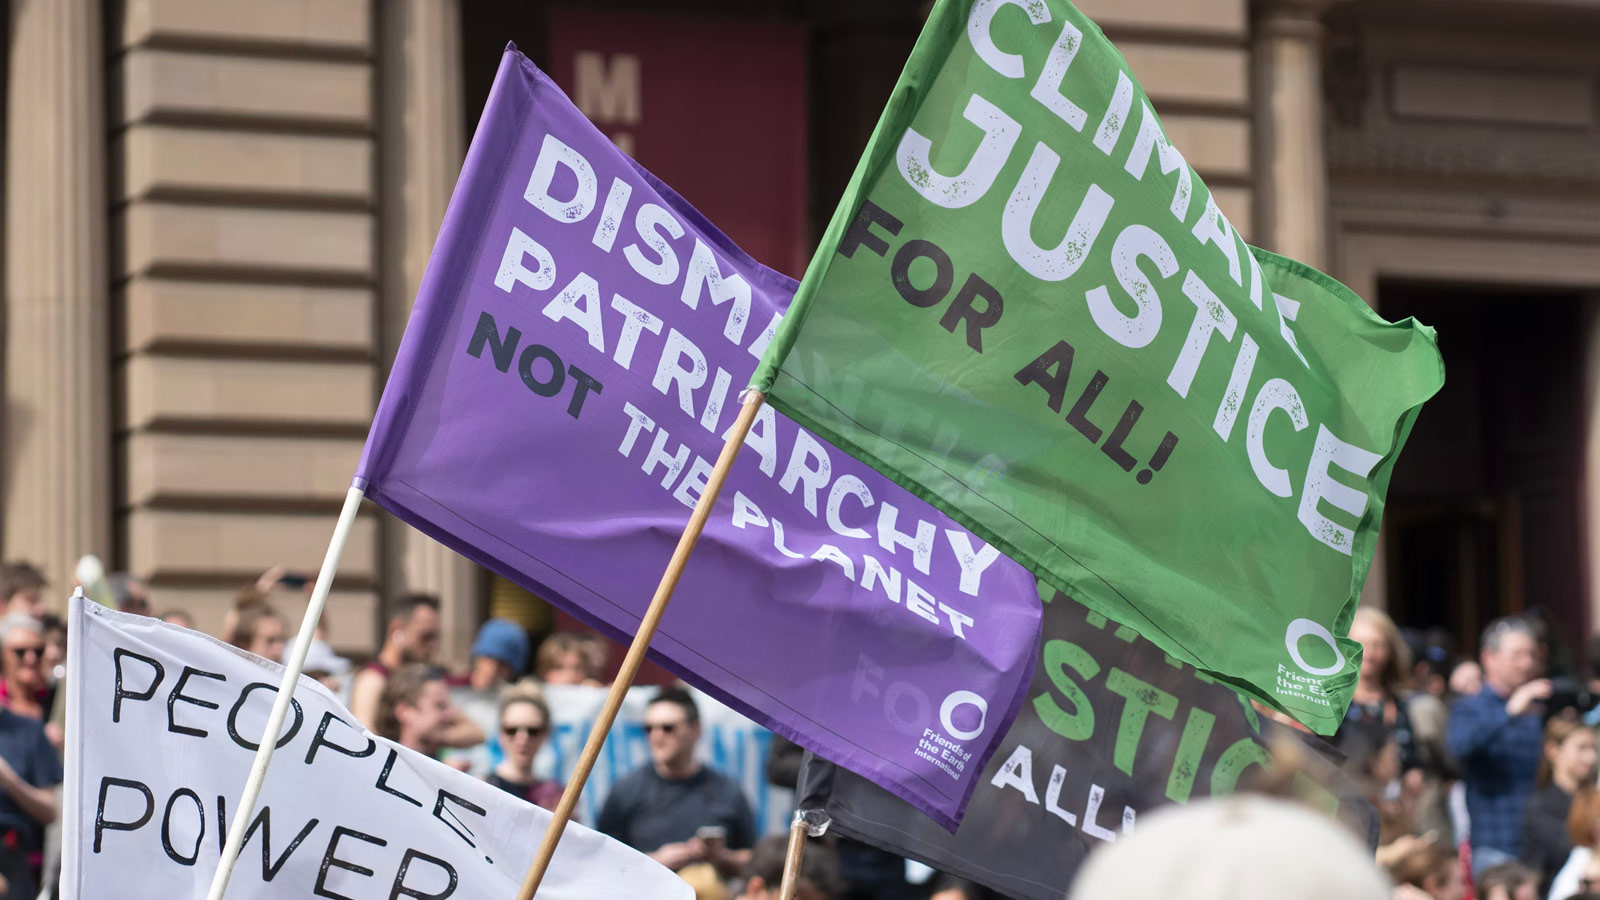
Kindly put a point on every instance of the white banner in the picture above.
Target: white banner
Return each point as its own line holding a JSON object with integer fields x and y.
{"x": 162, "y": 725}
{"x": 729, "y": 743}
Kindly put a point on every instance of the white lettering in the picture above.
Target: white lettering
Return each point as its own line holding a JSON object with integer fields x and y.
{"x": 566, "y": 307}
{"x": 1017, "y": 772}
{"x": 814, "y": 477}
{"x": 1016, "y": 223}
{"x": 1152, "y": 141}
{"x": 1116, "y": 116}
{"x": 1238, "y": 384}
{"x": 921, "y": 546}
{"x": 836, "y": 556}
{"x": 605, "y": 231}
{"x": 650, "y": 221}
{"x": 512, "y": 271}
{"x": 1052, "y": 796}
{"x": 687, "y": 378}
{"x": 693, "y": 485}
{"x": 972, "y": 560}
{"x": 1209, "y": 315}
{"x": 1320, "y": 485}
{"x": 634, "y": 320}
{"x": 914, "y": 157}
{"x": 671, "y": 463}
{"x": 1047, "y": 90}
{"x": 979, "y": 22}
{"x": 551, "y": 154}
{"x": 1274, "y": 395}
{"x": 1139, "y": 329}
{"x": 847, "y": 486}
{"x": 705, "y": 275}
{"x": 637, "y": 421}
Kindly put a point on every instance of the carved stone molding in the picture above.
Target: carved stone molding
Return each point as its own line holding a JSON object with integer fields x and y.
{"x": 1467, "y": 155}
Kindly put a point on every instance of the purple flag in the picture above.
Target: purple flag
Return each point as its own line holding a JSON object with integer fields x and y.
{"x": 571, "y": 365}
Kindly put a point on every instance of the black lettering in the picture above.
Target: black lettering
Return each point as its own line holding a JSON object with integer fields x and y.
{"x": 585, "y": 384}
{"x": 329, "y": 861}
{"x": 178, "y": 694}
{"x": 1058, "y": 359}
{"x": 1159, "y": 459}
{"x": 320, "y": 739}
{"x": 1113, "y": 446}
{"x": 962, "y": 309}
{"x": 859, "y": 234}
{"x": 1078, "y": 417}
{"x": 383, "y": 781}
{"x": 119, "y": 692}
{"x": 458, "y": 826}
{"x": 400, "y": 888}
{"x": 166, "y": 827}
{"x": 489, "y": 333}
{"x": 101, "y": 825}
{"x": 233, "y": 718}
{"x": 900, "y": 271}
{"x": 263, "y": 821}
{"x": 558, "y": 370}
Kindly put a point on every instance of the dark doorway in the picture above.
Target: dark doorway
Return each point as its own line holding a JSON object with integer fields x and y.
{"x": 1484, "y": 515}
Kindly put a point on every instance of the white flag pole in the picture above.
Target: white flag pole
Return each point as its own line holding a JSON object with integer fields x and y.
{"x": 280, "y": 707}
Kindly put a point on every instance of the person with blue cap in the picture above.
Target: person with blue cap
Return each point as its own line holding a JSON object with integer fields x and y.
{"x": 499, "y": 656}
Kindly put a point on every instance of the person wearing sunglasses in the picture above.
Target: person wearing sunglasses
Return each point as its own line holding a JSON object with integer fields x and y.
{"x": 524, "y": 727}
{"x": 677, "y": 810}
{"x": 30, "y": 767}
{"x": 24, "y": 689}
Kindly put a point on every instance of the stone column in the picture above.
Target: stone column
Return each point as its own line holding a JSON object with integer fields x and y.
{"x": 1294, "y": 183}
{"x": 57, "y": 309}
{"x": 423, "y": 146}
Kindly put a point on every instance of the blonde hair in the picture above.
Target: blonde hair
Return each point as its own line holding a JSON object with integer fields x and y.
{"x": 1396, "y": 674}
{"x": 524, "y": 692}
{"x": 558, "y": 645}
{"x": 707, "y": 884}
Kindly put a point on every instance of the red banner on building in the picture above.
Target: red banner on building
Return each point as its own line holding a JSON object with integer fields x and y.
{"x": 715, "y": 107}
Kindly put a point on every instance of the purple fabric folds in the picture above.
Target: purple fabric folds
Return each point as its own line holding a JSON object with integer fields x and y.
{"x": 571, "y": 365}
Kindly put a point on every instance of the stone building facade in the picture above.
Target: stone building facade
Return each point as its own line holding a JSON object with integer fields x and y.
{"x": 216, "y": 213}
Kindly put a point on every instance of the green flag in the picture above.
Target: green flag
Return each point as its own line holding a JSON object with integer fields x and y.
{"x": 1028, "y": 310}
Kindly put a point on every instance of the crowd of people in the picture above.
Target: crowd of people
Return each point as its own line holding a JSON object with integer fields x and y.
{"x": 490, "y": 720}
{"x": 1482, "y": 770}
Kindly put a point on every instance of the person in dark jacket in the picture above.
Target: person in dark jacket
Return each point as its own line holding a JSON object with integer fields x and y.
{"x": 1568, "y": 765}
{"x": 1495, "y": 734}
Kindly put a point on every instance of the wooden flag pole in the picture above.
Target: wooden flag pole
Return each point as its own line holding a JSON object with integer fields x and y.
{"x": 641, "y": 642}
{"x": 796, "y": 855}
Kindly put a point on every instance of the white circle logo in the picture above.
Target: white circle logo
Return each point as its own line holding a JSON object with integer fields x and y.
{"x": 1300, "y": 628}
{"x": 960, "y": 698}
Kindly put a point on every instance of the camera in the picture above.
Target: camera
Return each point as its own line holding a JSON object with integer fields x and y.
{"x": 1567, "y": 693}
